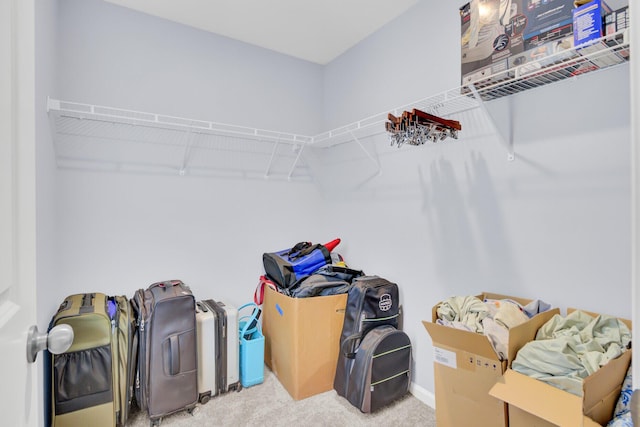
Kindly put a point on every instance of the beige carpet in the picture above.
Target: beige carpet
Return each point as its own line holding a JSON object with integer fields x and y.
{"x": 269, "y": 404}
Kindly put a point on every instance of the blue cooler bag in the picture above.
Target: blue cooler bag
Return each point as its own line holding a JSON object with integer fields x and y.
{"x": 288, "y": 266}
{"x": 251, "y": 347}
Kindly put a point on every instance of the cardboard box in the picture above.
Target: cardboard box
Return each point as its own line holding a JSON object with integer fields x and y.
{"x": 547, "y": 20}
{"x": 587, "y": 23}
{"x": 302, "y": 340}
{"x": 537, "y": 59}
{"x": 617, "y": 20}
{"x": 495, "y": 32}
{"x": 535, "y": 403}
{"x": 466, "y": 367}
{"x": 491, "y": 31}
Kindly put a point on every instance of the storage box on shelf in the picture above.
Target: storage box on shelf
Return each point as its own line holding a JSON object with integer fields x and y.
{"x": 491, "y": 32}
{"x": 534, "y": 403}
{"x": 466, "y": 366}
{"x": 494, "y": 32}
{"x": 546, "y": 21}
{"x": 302, "y": 339}
{"x": 616, "y": 20}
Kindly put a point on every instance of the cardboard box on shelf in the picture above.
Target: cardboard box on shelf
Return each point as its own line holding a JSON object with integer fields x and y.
{"x": 547, "y": 20}
{"x": 494, "y": 33}
{"x": 533, "y": 402}
{"x": 616, "y": 20}
{"x": 541, "y": 57}
{"x": 587, "y": 23}
{"x": 466, "y": 366}
{"x": 491, "y": 31}
{"x": 302, "y": 339}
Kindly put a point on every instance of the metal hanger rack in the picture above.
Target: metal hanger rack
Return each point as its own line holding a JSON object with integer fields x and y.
{"x": 111, "y": 139}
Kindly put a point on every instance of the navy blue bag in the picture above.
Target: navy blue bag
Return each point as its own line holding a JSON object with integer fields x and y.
{"x": 288, "y": 266}
{"x": 327, "y": 280}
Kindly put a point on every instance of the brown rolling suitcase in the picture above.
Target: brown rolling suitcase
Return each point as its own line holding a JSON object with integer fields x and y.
{"x": 166, "y": 379}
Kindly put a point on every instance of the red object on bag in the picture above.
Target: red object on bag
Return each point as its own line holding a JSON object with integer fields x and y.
{"x": 258, "y": 294}
{"x": 332, "y": 244}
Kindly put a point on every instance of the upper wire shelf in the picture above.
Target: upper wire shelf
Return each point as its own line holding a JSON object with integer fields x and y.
{"x": 97, "y": 137}
{"x": 605, "y": 52}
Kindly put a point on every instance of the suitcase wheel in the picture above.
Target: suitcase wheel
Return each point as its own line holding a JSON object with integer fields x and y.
{"x": 205, "y": 398}
{"x": 195, "y": 409}
{"x": 155, "y": 422}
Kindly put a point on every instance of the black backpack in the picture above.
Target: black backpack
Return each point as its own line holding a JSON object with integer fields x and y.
{"x": 372, "y": 302}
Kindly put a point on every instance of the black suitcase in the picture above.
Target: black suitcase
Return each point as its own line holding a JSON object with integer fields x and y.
{"x": 381, "y": 370}
{"x": 166, "y": 380}
{"x": 372, "y": 301}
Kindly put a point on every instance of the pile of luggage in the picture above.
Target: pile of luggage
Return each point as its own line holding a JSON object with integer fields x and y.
{"x": 164, "y": 352}
{"x": 160, "y": 350}
{"x": 374, "y": 363}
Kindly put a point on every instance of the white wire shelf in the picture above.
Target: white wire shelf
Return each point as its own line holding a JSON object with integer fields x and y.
{"x": 113, "y": 139}
{"x": 606, "y": 52}
{"x": 107, "y": 138}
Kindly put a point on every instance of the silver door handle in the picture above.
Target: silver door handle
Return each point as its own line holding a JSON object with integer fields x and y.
{"x": 57, "y": 341}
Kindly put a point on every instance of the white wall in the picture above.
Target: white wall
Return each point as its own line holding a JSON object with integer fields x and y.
{"x": 121, "y": 232}
{"x": 440, "y": 220}
{"x": 457, "y": 218}
{"x": 417, "y": 55}
{"x": 113, "y": 56}
{"x": 116, "y": 233}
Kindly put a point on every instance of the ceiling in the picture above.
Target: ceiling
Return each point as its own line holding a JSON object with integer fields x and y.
{"x": 316, "y": 31}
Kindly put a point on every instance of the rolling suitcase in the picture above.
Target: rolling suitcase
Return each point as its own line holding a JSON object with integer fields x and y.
{"x": 83, "y": 379}
{"x": 166, "y": 379}
{"x": 207, "y": 329}
{"x": 227, "y": 346}
{"x": 381, "y": 370}
{"x": 126, "y": 339}
{"x": 372, "y": 301}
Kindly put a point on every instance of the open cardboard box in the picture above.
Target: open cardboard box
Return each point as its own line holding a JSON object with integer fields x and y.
{"x": 466, "y": 367}
{"x": 302, "y": 340}
{"x": 535, "y": 403}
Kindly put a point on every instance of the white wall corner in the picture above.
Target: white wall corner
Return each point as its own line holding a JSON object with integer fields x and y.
{"x": 423, "y": 395}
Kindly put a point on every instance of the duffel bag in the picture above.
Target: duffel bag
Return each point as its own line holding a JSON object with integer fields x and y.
{"x": 288, "y": 266}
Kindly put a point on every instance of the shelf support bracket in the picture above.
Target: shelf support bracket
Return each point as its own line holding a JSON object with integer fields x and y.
{"x": 295, "y": 163}
{"x": 273, "y": 155}
{"x": 367, "y": 153}
{"x": 187, "y": 151}
{"x": 507, "y": 142}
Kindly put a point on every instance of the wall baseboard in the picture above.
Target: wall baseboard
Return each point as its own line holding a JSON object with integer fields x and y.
{"x": 423, "y": 395}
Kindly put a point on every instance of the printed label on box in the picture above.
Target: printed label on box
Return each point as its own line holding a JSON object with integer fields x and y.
{"x": 587, "y": 23}
{"x": 445, "y": 357}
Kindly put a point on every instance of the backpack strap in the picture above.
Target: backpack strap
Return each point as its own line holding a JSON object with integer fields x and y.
{"x": 258, "y": 294}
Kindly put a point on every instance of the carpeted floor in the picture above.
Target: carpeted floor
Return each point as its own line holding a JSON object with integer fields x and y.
{"x": 269, "y": 404}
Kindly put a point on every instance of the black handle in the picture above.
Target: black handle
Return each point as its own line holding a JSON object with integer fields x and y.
{"x": 87, "y": 303}
{"x": 174, "y": 355}
{"x": 350, "y": 341}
